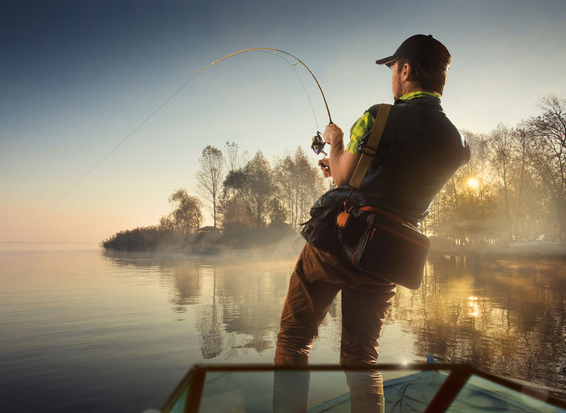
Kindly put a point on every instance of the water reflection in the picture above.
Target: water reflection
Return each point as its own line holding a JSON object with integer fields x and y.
{"x": 506, "y": 316}
{"x": 211, "y": 327}
{"x": 238, "y": 301}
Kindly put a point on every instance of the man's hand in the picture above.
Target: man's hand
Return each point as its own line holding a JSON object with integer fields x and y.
{"x": 325, "y": 167}
{"x": 341, "y": 162}
{"x": 333, "y": 134}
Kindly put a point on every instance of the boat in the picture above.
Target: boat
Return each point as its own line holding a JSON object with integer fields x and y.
{"x": 422, "y": 388}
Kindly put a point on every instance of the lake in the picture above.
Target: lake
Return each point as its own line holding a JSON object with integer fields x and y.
{"x": 85, "y": 330}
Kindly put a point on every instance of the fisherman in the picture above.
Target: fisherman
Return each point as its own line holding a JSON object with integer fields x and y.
{"x": 419, "y": 151}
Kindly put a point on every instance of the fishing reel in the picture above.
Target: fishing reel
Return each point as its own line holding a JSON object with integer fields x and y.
{"x": 318, "y": 144}
{"x": 318, "y": 147}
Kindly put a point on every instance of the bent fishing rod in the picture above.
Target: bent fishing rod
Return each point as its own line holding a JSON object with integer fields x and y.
{"x": 279, "y": 51}
{"x": 317, "y": 142}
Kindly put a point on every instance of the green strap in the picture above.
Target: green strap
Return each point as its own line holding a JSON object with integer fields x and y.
{"x": 370, "y": 149}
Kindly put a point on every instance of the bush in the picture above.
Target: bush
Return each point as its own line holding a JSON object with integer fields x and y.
{"x": 144, "y": 239}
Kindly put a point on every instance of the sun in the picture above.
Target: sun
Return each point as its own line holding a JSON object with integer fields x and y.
{"x": 473, "y": 183}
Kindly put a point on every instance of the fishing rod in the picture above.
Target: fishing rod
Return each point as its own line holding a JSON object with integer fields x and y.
{"x": 279, "y": 51}
{"x": 317, "y": 141}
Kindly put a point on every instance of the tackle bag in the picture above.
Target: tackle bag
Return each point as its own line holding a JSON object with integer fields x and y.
{"x": 377, "y": 241}
{"x": 384, "y": 245}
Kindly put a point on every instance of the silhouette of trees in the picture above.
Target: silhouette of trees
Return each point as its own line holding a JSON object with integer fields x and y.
{"x": 548, "y": 151}
{"x": 514, "y": 187}
{"x": 281, "y": 195}
{"x": 464, "y": 210}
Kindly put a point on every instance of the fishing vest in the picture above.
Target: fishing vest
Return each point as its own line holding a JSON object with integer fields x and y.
{"x": 419, "y": 151}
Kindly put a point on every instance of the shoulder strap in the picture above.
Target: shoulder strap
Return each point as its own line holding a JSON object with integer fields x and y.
{"x": 370, "y": 149}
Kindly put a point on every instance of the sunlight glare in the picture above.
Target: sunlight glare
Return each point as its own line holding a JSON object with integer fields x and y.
{"x": 473, "y": 183}
{"x": 473, "y": 306}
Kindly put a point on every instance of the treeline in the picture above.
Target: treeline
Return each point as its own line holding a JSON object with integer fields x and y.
{"x": 251, "y": 201}
{"x": 513, "y": 189}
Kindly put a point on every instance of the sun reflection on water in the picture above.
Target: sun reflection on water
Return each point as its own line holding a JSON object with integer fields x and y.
{"x": 473, "y": 305}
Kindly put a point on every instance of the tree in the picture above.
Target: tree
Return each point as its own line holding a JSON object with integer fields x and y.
{"x": 464, "y": 210}
{"x": 530, "y": 197}
{"x": 300, "y": 184}
{"x": 186, "y": 217}
{"x": 255, "y": 187}
{"x": 234, "y": 159}
{"x": 210, "y": 176}
{"x": 514, "y": 178}
{"x": 548, "y": 151}
{"x": 233, "y": 211}
{"x": 277, "y": 213}
{"x": 501, "y": 144}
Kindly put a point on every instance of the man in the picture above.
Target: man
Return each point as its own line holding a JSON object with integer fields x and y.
{"x": 420, "y": 149}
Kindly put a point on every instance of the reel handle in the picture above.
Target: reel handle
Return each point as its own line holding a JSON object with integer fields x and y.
{"x": 320, "y": 163}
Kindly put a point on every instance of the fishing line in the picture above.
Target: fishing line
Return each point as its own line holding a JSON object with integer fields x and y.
{"x": 261, "y": 49}
{"x": 294, "y": 66}
{"x": 279, "y": 51}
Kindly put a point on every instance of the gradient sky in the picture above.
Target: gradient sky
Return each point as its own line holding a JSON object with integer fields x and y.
{"x": 77, "y": 77}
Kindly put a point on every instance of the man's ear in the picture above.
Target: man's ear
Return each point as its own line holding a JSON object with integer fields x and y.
{"x": 407, "y": 72}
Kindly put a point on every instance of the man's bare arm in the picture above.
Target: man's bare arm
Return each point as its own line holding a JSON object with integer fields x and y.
{"x": 342, "y": 162}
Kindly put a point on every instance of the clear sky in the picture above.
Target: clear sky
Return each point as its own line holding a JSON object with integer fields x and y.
{"x": 77, "y": 77}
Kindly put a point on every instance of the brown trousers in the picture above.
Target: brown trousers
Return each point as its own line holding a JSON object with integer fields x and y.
{"x": 317, "y": 279}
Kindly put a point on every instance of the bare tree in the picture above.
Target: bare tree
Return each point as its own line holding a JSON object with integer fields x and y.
{"x": 463, "y": 208}
{"x": 234, "y": 159}
{"x": 530, "y": 195}
{"x": 551, "y": 128}
{"x": 209, "y": 178}
{"x": 501, "y": 145}
{"x": 549, "y": 153}
{"x": 300, "y": 184}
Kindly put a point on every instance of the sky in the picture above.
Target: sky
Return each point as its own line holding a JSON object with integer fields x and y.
{"x": 97, "y": 130}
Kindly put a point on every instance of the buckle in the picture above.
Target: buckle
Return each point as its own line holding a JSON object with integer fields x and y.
{"x": 368, "y": 150}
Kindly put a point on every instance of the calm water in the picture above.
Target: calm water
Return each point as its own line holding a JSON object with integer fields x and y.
{"x": 86, "y": 331}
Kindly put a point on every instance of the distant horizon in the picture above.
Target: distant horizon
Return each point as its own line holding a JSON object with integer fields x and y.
{"x": 47, "y": 242}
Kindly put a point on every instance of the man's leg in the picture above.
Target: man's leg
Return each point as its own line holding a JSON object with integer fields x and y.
{"x": 308, "y": 300}
{"x": 364, "y": 310}
{"x": 309, "y": 297}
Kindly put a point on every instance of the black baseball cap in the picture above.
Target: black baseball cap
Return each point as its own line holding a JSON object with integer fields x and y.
{"x": 423, "y": 49}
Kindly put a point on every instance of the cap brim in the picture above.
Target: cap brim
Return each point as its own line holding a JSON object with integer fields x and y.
{"x": 386, "y": 60}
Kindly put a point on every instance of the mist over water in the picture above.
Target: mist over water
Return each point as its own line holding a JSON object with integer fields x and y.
{"x": 90, "y": 331}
